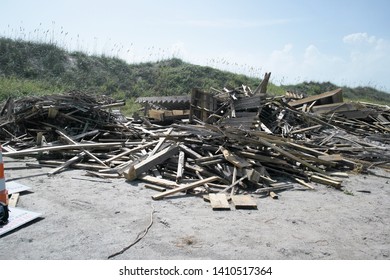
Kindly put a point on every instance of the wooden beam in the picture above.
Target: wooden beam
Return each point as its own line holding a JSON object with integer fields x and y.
{"x": 160, "y": 142}
{"x": 180, "y": 167}
{"x": 303, "y": 183}
{"x": 69, "y": 140}
{"x": 159, "y": 181}
{"x": 67, "y": 163}
{"x": 130, "y": 151}
{"x": 62, "y": 147}
{"x": 185, "y": 187}
{"x": 154, "y": 187}
{"x": 326, "y": 181}
{"x": 289, "y": 155}
{"x": 145, "y": 165}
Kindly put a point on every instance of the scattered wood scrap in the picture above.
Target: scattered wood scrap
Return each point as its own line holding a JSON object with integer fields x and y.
{"x": 236, "y": 143}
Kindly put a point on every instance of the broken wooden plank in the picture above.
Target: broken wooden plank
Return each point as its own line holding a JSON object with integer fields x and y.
{"x": 69, "y": 140}
{"x": 67, "y": 163}
{"x": 159, "y": 181}
{"x": 62, "y": 147}
{"x": 234, "y": 159}
{"x": 140, "y": 147}
{"x": 289, "y": 155}
{"x": 155, "y": 187}
{"x": 185, "y": 187}
{"x": 145, "y": 165}
{"x": 13, "y": 200}
{"x": 325, "y": 181}
{"x": 273, "y": 195}
{"x": 219, "y": 201}
{"x": 160, "y": 142}
{"x": 303, "y": 183}
{"x": 244, "y": 202}
{"x": 180, "y": 167}
{"x": 234, "y": 183}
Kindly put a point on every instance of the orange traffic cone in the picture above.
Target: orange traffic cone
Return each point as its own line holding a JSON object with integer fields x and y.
{"x": 4, "y": 215}
{"x": 3, "y": 190}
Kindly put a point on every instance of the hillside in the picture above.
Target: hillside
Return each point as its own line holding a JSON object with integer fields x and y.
{"x": 38, "y": 68}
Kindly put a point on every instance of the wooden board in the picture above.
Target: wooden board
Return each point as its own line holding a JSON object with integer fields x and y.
{"x": 13, "y": 200}
{"x": 219, "y": 201}
{"x": 184, "y": 187}
{"x": 244, "y": 202}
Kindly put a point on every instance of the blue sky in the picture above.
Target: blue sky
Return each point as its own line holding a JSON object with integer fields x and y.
{"x": 345, "y": 42}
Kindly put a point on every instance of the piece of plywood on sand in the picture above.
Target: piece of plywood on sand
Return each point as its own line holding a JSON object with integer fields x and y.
{"x": 244, "y": 202}
{"x": 219, "y": 201}
{"x": 15, "y": 187}
{"x": 17, "y": 218}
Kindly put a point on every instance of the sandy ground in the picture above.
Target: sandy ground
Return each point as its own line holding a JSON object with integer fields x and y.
{"x": 84, "y": 220}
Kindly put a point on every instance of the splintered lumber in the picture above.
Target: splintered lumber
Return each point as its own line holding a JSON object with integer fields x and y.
{"x": 329, "y": 97}
{"x": 154, "y": 187}
{"x": 67, "y": 138}
{"x": 326, "y": 181}
{"x": 234, "y": 183}
{"x": 180, "y": 167}
{"x": 145, "y": 165}
{"x": 185, "y": 187}
{"x": 335, "y": 157}
{"x": 289, "y": 155}
{"x": 303, "y": 183}
{"x": 160, "y": 142}
{"x": 219, "y": 201}
{"x": 61, "y": 148}
{"x": 13, "y": 200}
{"x": 130, "y": 151}
{"x": 67, "y": 163}
{"x": 273, "y": 195}
{"x": 244, "y": 202}
{"x": 158, "y": 181}
{"x": 274, "y": 188}
{"x": 234, "y": 159}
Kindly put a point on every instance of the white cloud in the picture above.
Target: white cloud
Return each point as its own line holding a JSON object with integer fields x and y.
{"x": 283, "y": 57}
{"x": 234, "y": 23}
{"x": 356, "y": 38}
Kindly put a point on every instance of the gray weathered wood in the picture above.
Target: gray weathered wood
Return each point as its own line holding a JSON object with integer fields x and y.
{"x": 219, "y": 201}
{"x": 185, "y": 187}
{"x": 145, "y": 165}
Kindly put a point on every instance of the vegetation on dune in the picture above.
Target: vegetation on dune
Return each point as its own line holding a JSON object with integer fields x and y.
{"x": 28, "y": 68}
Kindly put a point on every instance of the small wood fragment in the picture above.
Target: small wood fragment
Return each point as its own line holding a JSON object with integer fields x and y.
{"x": 155, "y": 187}
{"x": 13, "y": 200}
{"x": 273, "y": 195}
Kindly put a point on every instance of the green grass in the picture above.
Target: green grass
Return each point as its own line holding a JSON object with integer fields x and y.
{"x": 30, "y": 68}
{"x": 18, "y": 87}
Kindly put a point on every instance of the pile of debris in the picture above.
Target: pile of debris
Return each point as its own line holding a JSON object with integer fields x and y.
{"x": 225, "y": 144}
